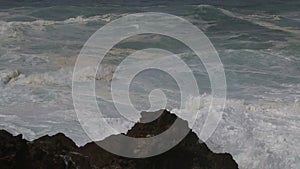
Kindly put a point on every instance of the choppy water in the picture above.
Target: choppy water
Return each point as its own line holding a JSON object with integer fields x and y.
{"x": 258, "y": 45}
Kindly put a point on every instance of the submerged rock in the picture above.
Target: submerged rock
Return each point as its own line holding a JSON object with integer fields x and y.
{"x": 7, "y": 76}
{"x": 60, "y": 152}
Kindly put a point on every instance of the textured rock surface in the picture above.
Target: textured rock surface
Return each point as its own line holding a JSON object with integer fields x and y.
{"x": 60, "y": 152}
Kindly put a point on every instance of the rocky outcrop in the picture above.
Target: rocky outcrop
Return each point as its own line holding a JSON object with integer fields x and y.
{"x": 60, "y": 152}
{"x": 7, "y": 76}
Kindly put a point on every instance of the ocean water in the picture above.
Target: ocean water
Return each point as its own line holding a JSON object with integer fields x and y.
{"x": 259, "y": 46}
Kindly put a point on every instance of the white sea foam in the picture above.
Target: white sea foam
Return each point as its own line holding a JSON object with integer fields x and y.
{"x": 63, "y": 76}
{"x": 257, "y": 135}
{"x": 9, "y": 26}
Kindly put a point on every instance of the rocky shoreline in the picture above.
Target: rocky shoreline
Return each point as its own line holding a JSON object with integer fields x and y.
{"x": 60, "y": 152}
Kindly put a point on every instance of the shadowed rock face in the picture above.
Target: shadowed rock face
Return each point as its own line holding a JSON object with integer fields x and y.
{"x": 60, "y": 152}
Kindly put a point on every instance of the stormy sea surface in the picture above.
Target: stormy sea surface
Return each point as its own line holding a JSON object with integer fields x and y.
{"x": 258, "y": 44}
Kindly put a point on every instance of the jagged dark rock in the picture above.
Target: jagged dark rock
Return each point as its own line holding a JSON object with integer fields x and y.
{"x": 60, "y": 152}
